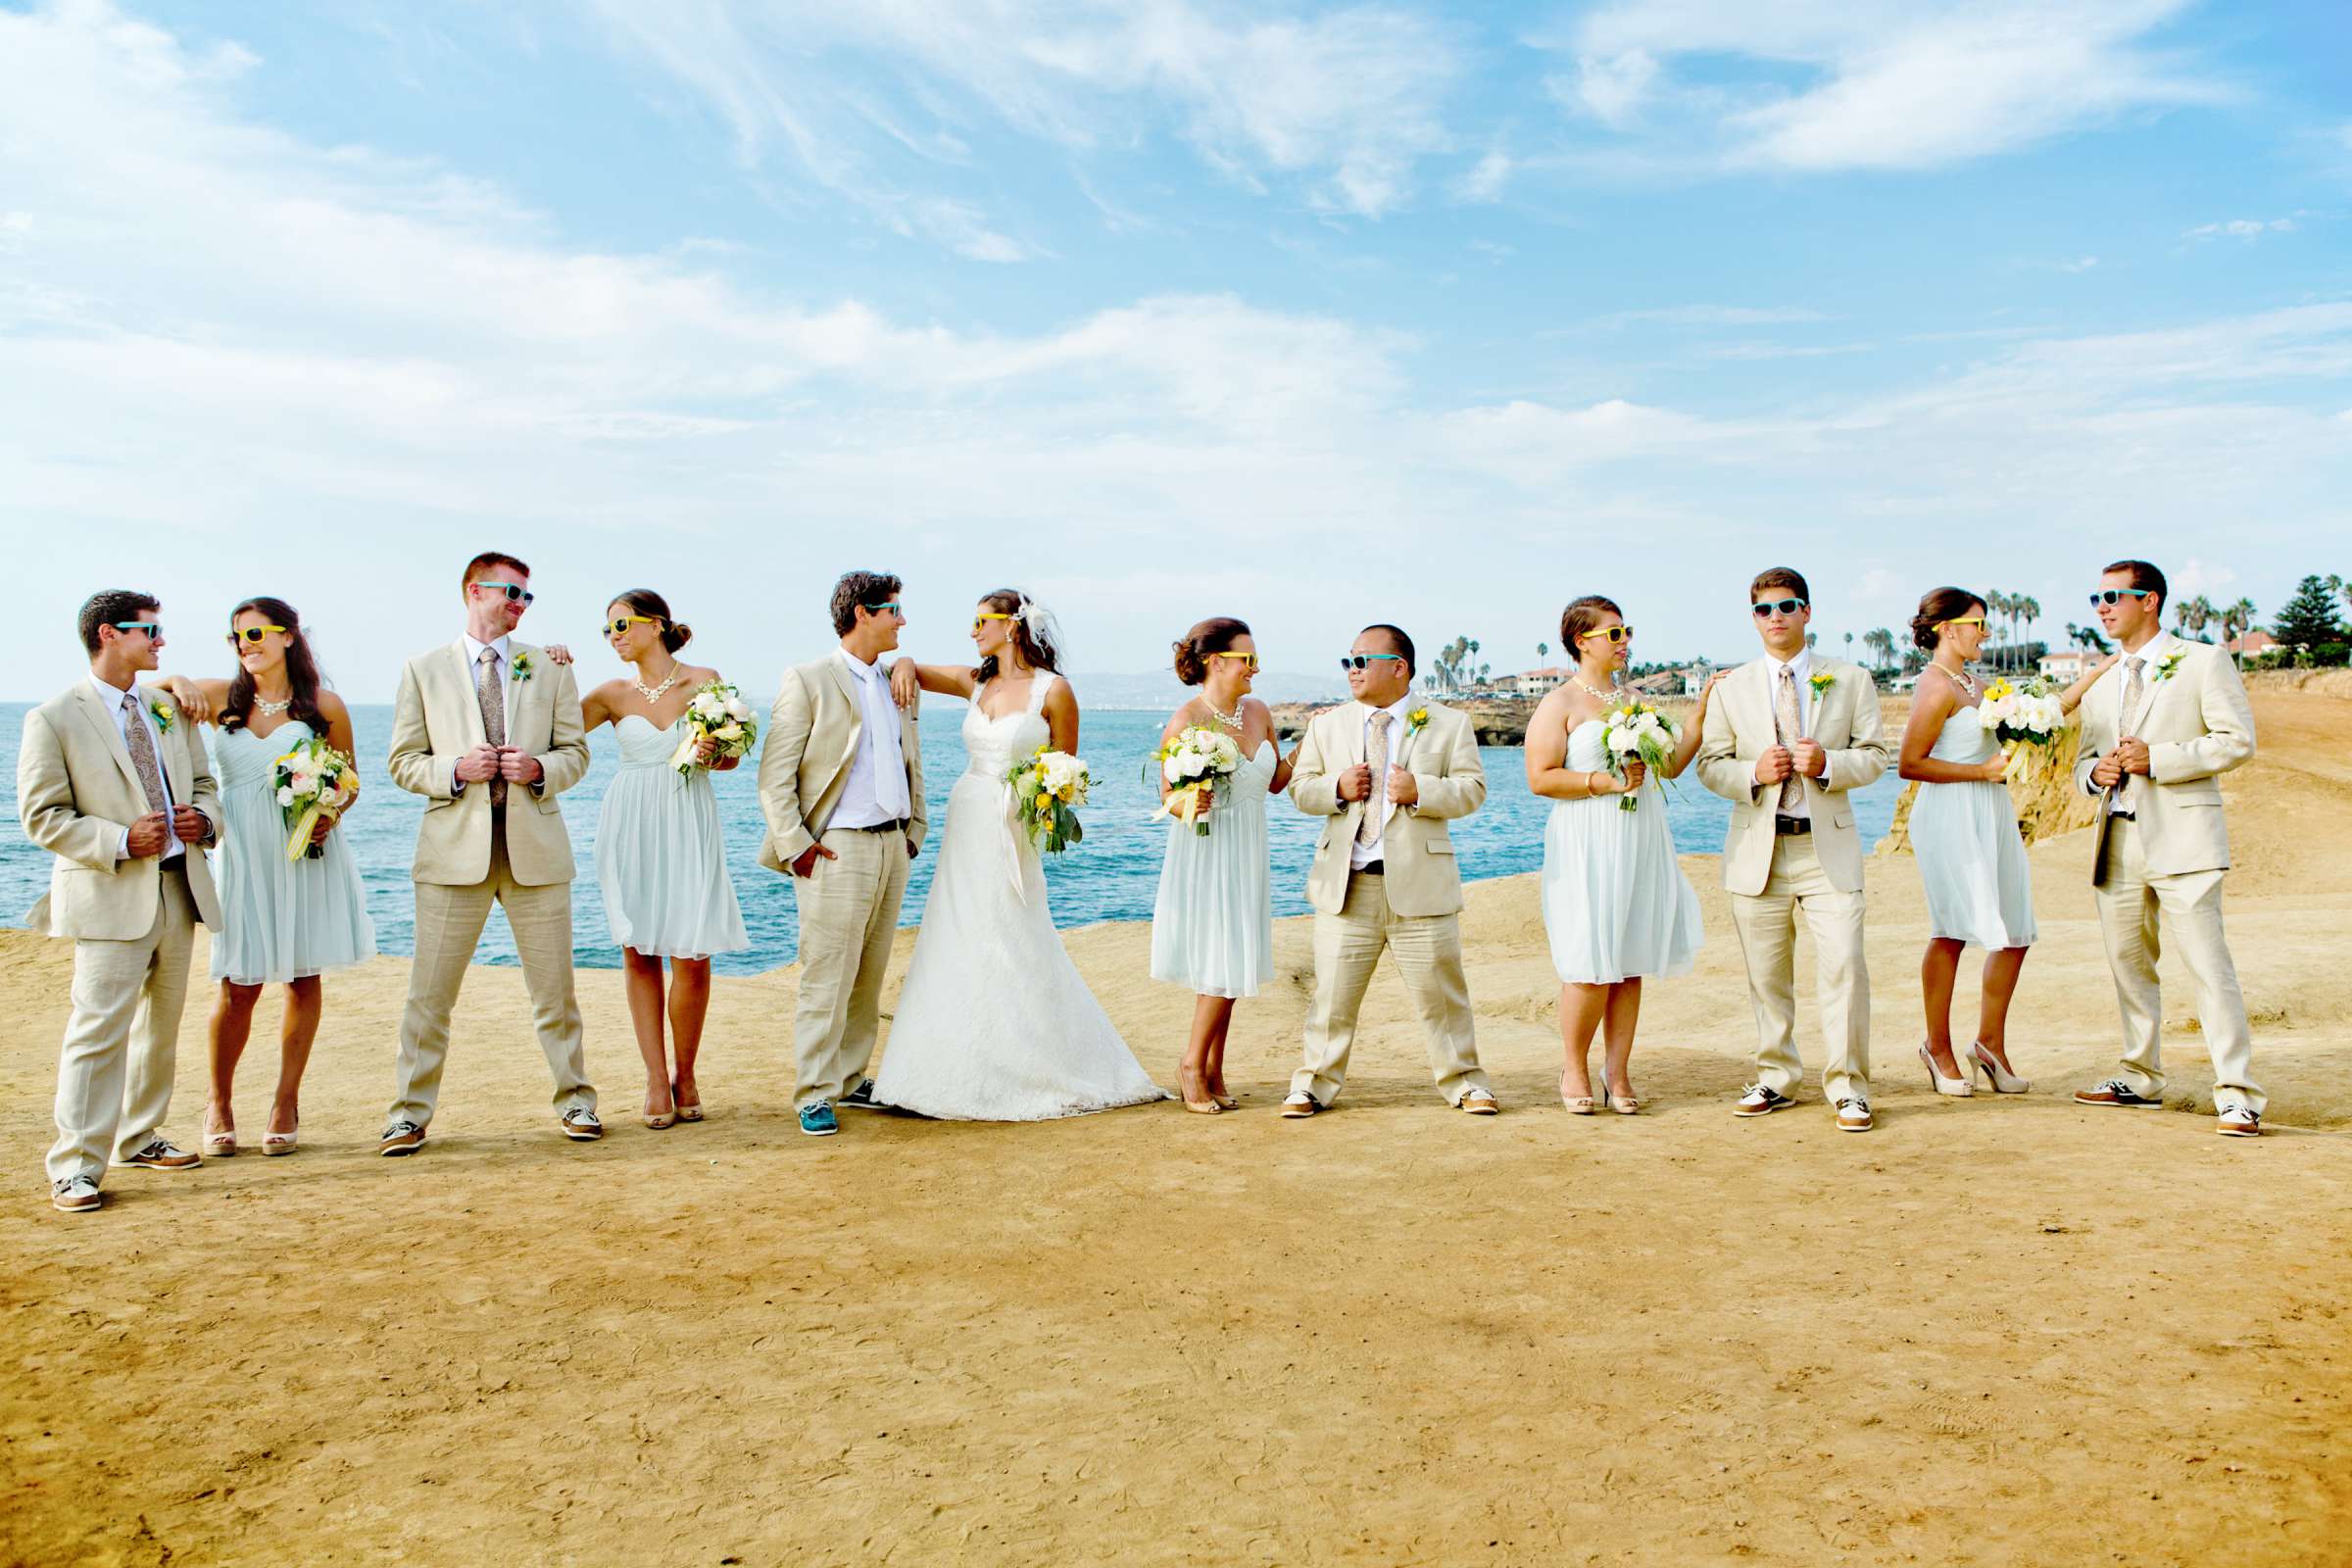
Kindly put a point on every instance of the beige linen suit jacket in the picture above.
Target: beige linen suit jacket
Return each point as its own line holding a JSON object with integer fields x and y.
{"x": 437, "y": 718}
{"x": 1843, "y": 721}
{"x": 1420, "y": 872}
{"x": 78, "y": 792}
{"x": 2198, "y": 725}
{"x": 812, "y": 735}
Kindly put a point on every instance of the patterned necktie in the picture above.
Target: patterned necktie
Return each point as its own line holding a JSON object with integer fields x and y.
{"x": 1376, "y": 757}
{"x": 1786, "y": 726}
{"x": 2123, "y": 719}
{"x": 492, "y": 692}
{"x": 142, "y": 755}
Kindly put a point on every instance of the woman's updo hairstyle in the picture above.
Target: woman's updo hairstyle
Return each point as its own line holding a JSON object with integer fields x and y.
{"x": 1027, "y": 628}
{"x": 1937, "y": 606}
{"x": 1581, "y": 616}
{"x": 675, "y": 634}
{"x": 1215, "y": 635}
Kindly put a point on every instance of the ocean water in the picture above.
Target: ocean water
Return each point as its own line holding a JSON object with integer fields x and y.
{"x": 1112, "y": 875}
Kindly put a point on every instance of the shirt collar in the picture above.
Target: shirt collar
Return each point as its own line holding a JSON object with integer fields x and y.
{"x": 858, "y": 666}
{"x": 114, "y": 695}
{"x": 1800, "y": 667}
{"x": 1396, "y": 709}
{"x": 2152, "y": 650}
{"x": 473, "y": 651}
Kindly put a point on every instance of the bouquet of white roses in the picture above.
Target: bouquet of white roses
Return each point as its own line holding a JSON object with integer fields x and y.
{"x": 1195, "y": 765}
{"x": 314, "y": 780}
{"x": 1635, "y": 730}
{"x": 1047, "y": 790}
{"x": 718, "y": 713}
{"x": 2021, "y": 715}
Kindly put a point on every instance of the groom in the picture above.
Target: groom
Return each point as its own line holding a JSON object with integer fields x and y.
{"x": 1786, "y": 737}
{"x": 1389, "y": 773}
{"x": 841, "y": 784}
{"x": 110, "y": 782}
{"x": 2157, "y": 730}
{"x": 489, "y": 735}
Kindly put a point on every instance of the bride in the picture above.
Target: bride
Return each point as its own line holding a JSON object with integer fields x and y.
{"x": 993, "y": 1023}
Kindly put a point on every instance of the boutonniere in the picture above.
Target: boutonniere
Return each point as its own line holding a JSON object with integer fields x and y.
{"x": 1820, "y": 681}
{"x": 1416, "y": 721}
{"x": 164, "y": 717}
{"x": 2169, "y": 664}
{"x": 523, "y": 666}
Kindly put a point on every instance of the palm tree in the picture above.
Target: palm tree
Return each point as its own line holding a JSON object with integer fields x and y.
{"x": 2088, "y": 638}
{"x": 2029, "y": 611}
{"x": 2193, "y": 616}
{"x": 1542, "y": 652}
{"x": 2238, "y": 618}
{"x": 1881, "y": 643}
{"x": 1997, "y": 605}
{"x": 2342, "y": 587}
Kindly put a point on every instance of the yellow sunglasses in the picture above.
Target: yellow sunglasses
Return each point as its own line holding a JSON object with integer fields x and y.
{"x": 1962, "y": 620}
{"x": 622, "y": 624}
{"x": 252, "y": 634}
{"x": 1615, "y": 634}
{"x": 991, "y": 614}
{"x": 1249, "y": 660}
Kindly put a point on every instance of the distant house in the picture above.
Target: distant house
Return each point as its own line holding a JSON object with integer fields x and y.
{"x": 2248, "y": 643}
{"x": 2063, "y": 666}
{"x": 1536, "y": 682}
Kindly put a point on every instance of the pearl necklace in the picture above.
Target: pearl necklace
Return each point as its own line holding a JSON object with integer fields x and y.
{"x": 1605, "y": 698}
{"x": 1961, "y": 679}
{"x": 653, "y": 694}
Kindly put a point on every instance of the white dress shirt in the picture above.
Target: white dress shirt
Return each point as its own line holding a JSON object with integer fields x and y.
{"x": 111, "y": 697}
{"x": 1801, "y": 667}
{"x": 473, "y": 678}
{"x": 2119, "y": 799}
{"x": 875, "y": 792}
{"x": 1360, "y": 854}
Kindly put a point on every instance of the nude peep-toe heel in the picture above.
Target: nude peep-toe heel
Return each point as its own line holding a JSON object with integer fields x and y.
{"x": 1622, "y": 1105}
{"x": 2003, "y": 1082}
{"x": 1577, "y": 1104}
{"x": 1960, "y": 1088}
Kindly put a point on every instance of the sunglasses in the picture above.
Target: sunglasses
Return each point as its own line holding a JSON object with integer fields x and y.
{"x": 153, "y": 628}
{"x": 2115, "y": 596}
{"x": 515, "y": 593}
{"x": 1615, "y": 634}
{"x": 876, "y": 610}
{"x": 1249, "y": 659}
{"x": 1361, "y": 660}
{"x": 1777, "y": 607}
{"x": 1962, "y": 620}
{"x": 991, "y": 614}
{"x": 252, "y": 634}
{"x": 620, "y": 623}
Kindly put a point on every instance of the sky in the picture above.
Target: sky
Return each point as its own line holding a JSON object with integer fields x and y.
{"x": 1313, "y": 315}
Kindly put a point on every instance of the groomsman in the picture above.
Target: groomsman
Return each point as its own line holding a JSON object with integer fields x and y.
{"x": 110, "y": 783}
{"x": 488, "y": 731}
{"x": 2158, "y": 728}
{"x": 1787, "y": 735}
{"x": 841, "y": 784}
{"x": 1389, "y": 773}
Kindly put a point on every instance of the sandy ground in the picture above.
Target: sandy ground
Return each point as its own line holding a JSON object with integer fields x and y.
{"x": 1991, "y": 1332}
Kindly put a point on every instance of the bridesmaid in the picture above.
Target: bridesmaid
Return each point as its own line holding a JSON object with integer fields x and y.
{"x": 1616, "y": 904}
{"x": 658, "y": 856}
{"x": 283, "y": 923}
{"x": 1212, "y": 925}
{"x": 1964, "y": 835}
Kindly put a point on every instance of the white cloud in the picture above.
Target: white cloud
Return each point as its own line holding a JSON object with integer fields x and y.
{"x": 2080, "y": 264}
{"x": 2196, "y": 575}
{"x": 1486, "y": 177}
{"x": 1348, "y": 101}
{"x": 1714, "y": 316}
{"x": 2242, "y": 228}
{"x": 1890, "y": 84}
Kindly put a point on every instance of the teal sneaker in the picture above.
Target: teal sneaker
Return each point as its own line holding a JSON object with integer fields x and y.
{"x": 818, "y": 1121}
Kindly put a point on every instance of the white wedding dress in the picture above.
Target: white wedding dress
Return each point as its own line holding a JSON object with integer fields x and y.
{"x": 994, "y": 1023}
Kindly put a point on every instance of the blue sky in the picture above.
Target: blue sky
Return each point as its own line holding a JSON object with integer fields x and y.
{"x": 1312, "y": 315}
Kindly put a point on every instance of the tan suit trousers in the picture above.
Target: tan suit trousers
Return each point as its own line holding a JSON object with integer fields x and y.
{"x": 1767, "y": 927}
{"x": 1429, "y": 957}
{"x": 449, "y": 927}
{"x": 848, "y": 910}
{"x": 114, "y": 1077}
{"x": 2134, "y": 909}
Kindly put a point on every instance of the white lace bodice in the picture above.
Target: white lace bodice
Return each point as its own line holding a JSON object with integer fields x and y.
{"x": 993, "y": 745}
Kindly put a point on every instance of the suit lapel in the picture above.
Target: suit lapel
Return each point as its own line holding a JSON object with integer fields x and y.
{"x": 846, "y": 684}
{"x": 468, "y": 697}
{"x": 110, "y": 734}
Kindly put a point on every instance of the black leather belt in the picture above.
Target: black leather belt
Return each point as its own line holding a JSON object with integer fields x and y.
{"x": 2125, "y": 816}
{"x": 178, "y": 863}
{"x": 899, "y": 826}
{"x": 1785, "y": 827}
{"x": 1372, "y": 869}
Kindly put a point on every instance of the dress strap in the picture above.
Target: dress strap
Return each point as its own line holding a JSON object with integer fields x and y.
{"x": 1040, "y": 685}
